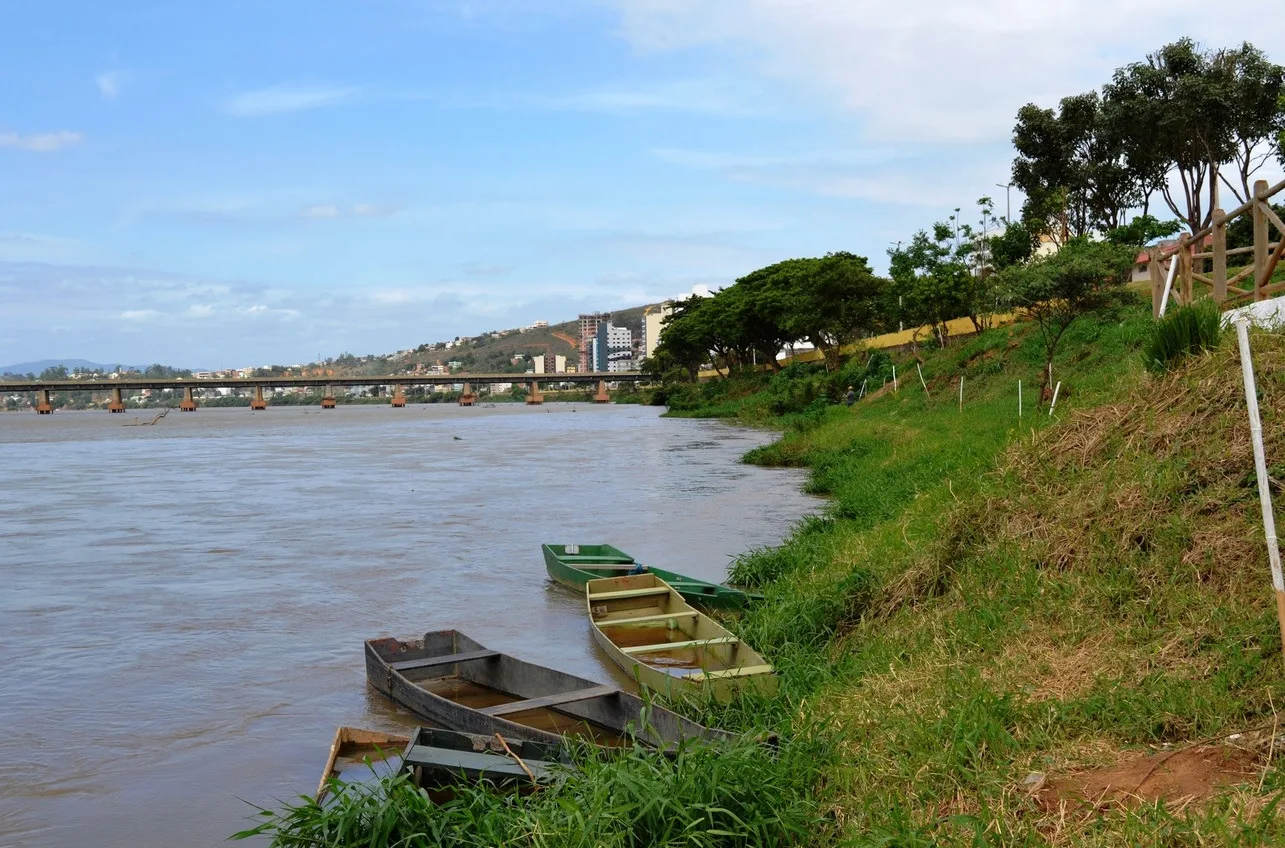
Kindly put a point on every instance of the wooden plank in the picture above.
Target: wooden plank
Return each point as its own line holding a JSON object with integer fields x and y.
{"x": 643, "y": 618}
{"x": 630, "y": 593}
{"x": 673, "y": 646}
{"x": 744, "y": 671}
{"x": 448, "y": 759}
{"x": 449, "y": 659}
{"x": 549, "y": 701}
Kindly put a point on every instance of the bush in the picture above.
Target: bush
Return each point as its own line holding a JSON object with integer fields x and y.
{"x": 1191, "y": 328}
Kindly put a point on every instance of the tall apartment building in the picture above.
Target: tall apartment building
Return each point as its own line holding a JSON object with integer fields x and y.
{"x": 652, "y": 324}
{"x": 615, "y": 348}
{"x": 588, "y": 332}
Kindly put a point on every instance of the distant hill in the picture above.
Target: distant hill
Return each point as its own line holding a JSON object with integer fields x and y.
{"x": 489, "y": 354}
{"x": 70, "y": 364}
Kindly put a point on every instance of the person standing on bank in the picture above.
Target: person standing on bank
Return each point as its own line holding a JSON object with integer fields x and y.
{"x": 851, "y": 397}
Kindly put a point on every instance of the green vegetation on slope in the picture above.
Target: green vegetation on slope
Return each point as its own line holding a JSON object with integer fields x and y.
{"x": 984, "y": 599}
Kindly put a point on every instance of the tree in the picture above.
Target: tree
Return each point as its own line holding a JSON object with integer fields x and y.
{"x": 1014, "y": 246}
{"x": 1255, "y": 89}
{"x": 685, "y": 337}
{"x": 934, "y": 279}
{"x": 54, "y": 372}
{"x": 1142, "y": 230}
{"x": 1072, "y": 167}
{"x": 1202, "y": 114}
{"x": 1083, "y": 277}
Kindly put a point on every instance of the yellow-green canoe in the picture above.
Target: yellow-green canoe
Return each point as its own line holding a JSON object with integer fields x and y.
{"x": 644, "y": 624}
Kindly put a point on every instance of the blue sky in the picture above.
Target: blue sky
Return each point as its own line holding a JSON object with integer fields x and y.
{"x": 240, "y": 183}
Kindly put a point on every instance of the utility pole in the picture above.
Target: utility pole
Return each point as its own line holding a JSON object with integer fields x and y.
{"x": 1008, "y": 201}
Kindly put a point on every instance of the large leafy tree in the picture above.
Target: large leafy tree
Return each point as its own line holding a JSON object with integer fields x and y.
{"x": 1206, "y": 117}
{"x": 1072, "y": 167}
{"x": 832, "y": 301}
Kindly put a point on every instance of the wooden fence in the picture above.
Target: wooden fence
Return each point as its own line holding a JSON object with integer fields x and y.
{"x": 1252, "y": 282}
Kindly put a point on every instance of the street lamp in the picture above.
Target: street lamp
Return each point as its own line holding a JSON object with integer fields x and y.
{"x": 1008, "y": 203}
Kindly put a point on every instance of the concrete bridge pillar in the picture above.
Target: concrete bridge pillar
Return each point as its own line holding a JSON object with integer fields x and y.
{"x": 328, "y": 400}
{"x": 117, "y": 403}
{"x": 602, "y": 396}
{"x": 187, "y": 404}
{"x": 468, "y": 398}
{"x": 533, "y": 395}
{"x": 43, "y": 404}
{"x": 258, "y": 402}
{"x": 399, "y": 397}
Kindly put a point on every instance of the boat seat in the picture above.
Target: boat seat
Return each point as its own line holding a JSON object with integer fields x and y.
{"x": 673, "y": 646}
{"x": 605, "y": 560}
{"x": 630, "y": 593}
{"x": 449, "y": 659}
{"x": 549, "y": 700}
{"x": 744, "y": 671}
{"x": 669, "y": 616}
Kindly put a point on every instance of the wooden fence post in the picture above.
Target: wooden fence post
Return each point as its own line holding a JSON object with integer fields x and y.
{"x": 1157, "y": 281}
{"x": 1220, "y": 257}
{"x": 1260, "y": 241}
{"x": 1184, "y": 265}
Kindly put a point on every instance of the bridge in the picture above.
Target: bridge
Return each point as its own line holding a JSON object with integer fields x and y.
{"x": 44, "y": 389}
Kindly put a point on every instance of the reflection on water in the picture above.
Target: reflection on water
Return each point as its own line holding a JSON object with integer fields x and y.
{"x": 183, "y": 606}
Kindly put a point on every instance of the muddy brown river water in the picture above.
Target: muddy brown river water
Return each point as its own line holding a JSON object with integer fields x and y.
{"x": 182, "y": 607}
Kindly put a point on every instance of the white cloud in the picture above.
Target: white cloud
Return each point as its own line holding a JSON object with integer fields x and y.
{"x": 112, "y": 83}
{"x": 286, "y": 98}
{"x": 925, "y": 70}
{"x": 326, "y": 211}
{"x": 139, "y": 314}
{"x": 330, "y": 211}
{"x": 701, "y": 96}
{"x": 40, "y": 142}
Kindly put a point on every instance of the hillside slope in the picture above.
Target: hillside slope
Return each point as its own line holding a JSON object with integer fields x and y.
{"x": 1006, "y": 620}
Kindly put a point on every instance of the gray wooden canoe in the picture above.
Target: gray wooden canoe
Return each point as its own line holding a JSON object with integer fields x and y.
{"x": 455, "y": 682}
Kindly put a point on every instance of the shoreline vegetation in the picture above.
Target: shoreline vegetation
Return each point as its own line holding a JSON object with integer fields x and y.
{"x": 1052, "y": 630}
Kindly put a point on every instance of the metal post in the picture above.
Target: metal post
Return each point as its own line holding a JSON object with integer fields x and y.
{"x": 1260, "y": 470}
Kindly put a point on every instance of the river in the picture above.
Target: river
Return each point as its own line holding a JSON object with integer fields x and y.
{"x": 183, "y": 606}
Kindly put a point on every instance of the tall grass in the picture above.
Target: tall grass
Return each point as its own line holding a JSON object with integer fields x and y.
{"x": 1190, "y": 329}
{"x": 706, "y": 795}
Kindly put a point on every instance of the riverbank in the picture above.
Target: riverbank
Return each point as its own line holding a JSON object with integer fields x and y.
{"x": 1052, "y": 629}
{"x": 1002, "y": 617}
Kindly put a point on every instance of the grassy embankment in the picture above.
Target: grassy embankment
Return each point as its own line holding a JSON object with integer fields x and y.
{"x": 984, "y": 599}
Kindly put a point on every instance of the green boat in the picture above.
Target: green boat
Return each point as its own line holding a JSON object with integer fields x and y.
{"x": 575, "y": 565}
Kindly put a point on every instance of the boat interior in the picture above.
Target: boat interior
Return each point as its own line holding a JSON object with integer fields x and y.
{"x": 650, "y": 622}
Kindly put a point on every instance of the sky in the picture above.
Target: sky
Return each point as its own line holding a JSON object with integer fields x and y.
{"x": 241, "y": 183}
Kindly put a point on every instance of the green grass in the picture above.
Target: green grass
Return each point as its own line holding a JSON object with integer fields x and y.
{"x": 739, "y": 794}
{"x": 984, "y": 597}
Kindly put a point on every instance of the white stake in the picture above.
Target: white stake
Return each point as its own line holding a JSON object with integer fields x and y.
{"x": 1164, "y": 299}
{"x": 921, "y": 379}
{"x": 894, "y": 379}
{"x": 863, "y": 388}
{"x": 1019, "y": 398}
{"x": 961, "y": 392}
{"x": 1260, "y": 469}
{"x": 1056, "y": 389}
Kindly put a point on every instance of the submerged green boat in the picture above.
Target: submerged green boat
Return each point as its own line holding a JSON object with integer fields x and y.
{"x": 575, "y": 565}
